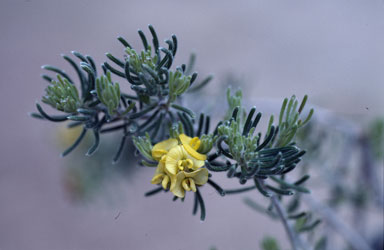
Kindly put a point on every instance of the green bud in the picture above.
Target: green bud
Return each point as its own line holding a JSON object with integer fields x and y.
{"x": 136, "y": 61}
{"x": 241, "y": 146}
{"x": 62, "y": 95}
{"x": 290, "y": 120}
{"x": 108, "y": 92}
{"x": 206, "y": 144}
{"x": 176, "y": 129}
{"x": 234, "y": 101}
{"x": 144, "y": 145}
{"x": 178, "y": 84}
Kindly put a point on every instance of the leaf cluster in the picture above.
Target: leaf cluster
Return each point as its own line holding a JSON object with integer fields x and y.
{"x": 251, "y": 156}
{"x": 62, "y": 95}
{"x": 103, "y": 108}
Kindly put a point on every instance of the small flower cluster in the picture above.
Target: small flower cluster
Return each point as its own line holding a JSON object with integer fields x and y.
{"x": 180, "y": 165}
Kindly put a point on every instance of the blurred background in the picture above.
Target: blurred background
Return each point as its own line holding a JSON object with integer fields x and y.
{"x": 331, "y": 50}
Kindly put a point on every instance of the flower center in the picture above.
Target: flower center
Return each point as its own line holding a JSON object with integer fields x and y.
{"x": 189, "y": 184}
{"x": 184, "y": 165}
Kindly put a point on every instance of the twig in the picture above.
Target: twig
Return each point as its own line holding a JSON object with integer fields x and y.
{"x": 368, "y": 169}
{"x": 295, "y": 243}
{"x": 351, "y": 236}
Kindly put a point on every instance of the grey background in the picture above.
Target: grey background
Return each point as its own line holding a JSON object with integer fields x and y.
{"x": 331, "y": 50}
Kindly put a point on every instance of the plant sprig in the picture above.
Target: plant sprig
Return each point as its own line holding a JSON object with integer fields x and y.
{"x": 152, "y": 112}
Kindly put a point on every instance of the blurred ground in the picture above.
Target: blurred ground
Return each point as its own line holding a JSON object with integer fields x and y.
{"x": 331, "y": 50}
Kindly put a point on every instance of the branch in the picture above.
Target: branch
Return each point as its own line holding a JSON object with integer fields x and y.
{"x": 293, "y": 237}
{"x": 351, "y": 236}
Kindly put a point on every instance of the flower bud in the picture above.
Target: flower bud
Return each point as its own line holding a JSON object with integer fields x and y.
{"x": 62, "y": 95}
{"x": 108, "y": 92}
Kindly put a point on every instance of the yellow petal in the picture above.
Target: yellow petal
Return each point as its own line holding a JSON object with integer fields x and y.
{"x": 160, "y": 168}
{"x": 196, "y": 163}
{"x": 185, "y": 185}
{"x": 159, "y": 173}
{"x": 200, "y": 176}
{"x": 192, "y": 184}
{"x": 185, "y": 139}
{"x": 191, "y": 145}
{"x": 173, "y": 180}
{"x": 162, "y": 148}
{"x": 176, "y": 187}
{"x": 195, "y": 143}
{"x": 194, "y": 153}
{"x": 174, "y": 155}
{"x": 163, "y": 158}
{"x": 157, "y": 179}
{"x": 157, "y": 154}
{"x": 165, "y": 182}
{"x": 179, "y": 192}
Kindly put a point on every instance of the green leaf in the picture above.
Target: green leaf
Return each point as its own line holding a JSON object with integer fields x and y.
{"x": 183, "y": 109}
{"x": 270, "y": 243}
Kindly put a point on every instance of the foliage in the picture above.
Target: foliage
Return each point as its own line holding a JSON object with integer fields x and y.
{"x": 152, "y": 114}
{"x": 62, "y": 95}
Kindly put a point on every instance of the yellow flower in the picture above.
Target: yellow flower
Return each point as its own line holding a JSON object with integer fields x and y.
{"x": 160, "y": 175}
{"x": 180, "y": 165}
{"x": 178, "y": 159}
{"x": 162, "y": 148}
{"x": 159, "y": 152}
{"x": 185, "y": 171}
{"x": 188, "y": 181}
{"x": 192, "y": 145}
